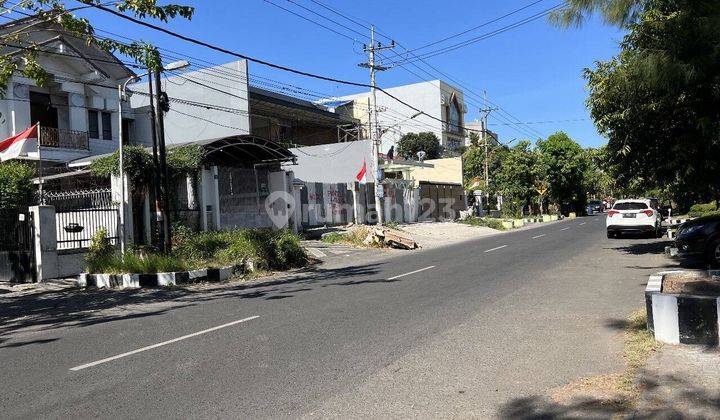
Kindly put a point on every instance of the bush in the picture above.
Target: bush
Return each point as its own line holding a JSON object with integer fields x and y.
{"x": 483, "y": 221}
{"x": 698, "y": 210}
{"x": 16, "y": 187}
{"x": 267, "y": 249}
{"x": 101, "y": 251}
{"x": 133, "y": 263}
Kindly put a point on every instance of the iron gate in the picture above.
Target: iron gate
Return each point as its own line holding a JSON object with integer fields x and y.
{"x": 17, "y": 256}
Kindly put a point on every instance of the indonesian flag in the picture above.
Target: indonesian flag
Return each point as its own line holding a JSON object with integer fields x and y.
{"x": 20, "y": 144}
{"x": 360, "y": 175}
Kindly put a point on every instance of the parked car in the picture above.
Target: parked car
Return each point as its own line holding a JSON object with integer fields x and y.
{"x": 633, "y": 216}
{"x": 700, "y": 238}
{"x": 595, "y": 206}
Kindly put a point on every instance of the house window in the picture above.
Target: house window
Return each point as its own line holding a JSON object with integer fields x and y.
{"x": 93, "y": 126}
{"x": 106, "y": 126}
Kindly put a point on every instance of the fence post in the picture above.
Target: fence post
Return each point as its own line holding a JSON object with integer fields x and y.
{"x": 45, "y": 242}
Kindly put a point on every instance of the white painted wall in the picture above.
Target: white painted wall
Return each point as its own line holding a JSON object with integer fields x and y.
{"x": 425, "y": 96}
{"x": 336, "y": 162}
{"x": 206, "y": 123}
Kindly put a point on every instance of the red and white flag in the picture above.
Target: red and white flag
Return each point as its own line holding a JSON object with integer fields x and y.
{"x": 360, "y": 175}
{"x": 20, "y": 144}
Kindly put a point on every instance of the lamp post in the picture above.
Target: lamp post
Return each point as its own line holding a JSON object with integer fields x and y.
{"x": 122, "y": 96}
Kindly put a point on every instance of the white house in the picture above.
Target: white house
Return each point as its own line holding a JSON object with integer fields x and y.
{"x": 77, "y": 108}
{"x": 443, "y": 108}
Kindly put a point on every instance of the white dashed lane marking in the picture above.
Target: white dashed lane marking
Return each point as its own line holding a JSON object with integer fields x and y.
{"x": 496, "y": 248}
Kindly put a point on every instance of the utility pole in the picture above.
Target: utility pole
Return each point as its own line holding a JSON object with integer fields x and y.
{"x": 161, "y": 106}
{"x": 374, "y": 125}
{"x": 157, "y": 231}
{"x": 485, "y": 112}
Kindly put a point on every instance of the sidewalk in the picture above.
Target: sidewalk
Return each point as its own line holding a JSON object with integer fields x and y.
{"x": 681, "y": 382}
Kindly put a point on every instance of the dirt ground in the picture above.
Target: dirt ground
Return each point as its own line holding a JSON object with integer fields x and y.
{"x": 437, "y": 234}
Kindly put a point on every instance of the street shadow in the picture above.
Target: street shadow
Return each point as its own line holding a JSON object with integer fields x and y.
{"x": 662, "y": 396}
{"x": 29, "y": 343}
{"x": 50, "y": 309}
{"x": 643, "y": 248}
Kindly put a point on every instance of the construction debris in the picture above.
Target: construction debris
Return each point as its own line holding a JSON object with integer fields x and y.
{"x": 391, "y": 238}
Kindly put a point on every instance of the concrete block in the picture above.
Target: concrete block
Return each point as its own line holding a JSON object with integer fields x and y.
{"x": 197, "y": 275}
{"x": 665, "y": 318}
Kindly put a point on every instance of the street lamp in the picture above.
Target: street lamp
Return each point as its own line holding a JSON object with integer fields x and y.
{"x": 122, "y": 96}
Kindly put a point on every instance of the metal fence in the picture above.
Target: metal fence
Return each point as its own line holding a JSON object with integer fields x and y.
{"x": 79, "y": 199}
{"x": 76, "y": 228}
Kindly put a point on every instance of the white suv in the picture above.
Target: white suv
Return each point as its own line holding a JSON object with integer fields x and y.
{"x": 633, "y": 216}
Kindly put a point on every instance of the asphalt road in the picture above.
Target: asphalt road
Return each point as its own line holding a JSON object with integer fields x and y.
{"x": 477, "y": 329}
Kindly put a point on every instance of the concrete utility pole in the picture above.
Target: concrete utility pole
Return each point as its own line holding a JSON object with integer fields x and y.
{"x": 374, "y": 125}
{"x": 485, "y": 112}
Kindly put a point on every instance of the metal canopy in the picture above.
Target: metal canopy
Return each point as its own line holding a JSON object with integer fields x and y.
{"x": 244, "y": 150}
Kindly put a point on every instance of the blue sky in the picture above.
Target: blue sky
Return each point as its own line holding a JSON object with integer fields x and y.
{"x": 533, "y": 72}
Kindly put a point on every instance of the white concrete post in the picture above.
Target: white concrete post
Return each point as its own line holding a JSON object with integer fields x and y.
{"x": 116, "y": 192}
{"x": 45, "y": 242}
{"x": 191, "y": 192}
{"x": 215, "y": 197}
{"x": 203, "y": 187}
{"x": 356, "y": 202}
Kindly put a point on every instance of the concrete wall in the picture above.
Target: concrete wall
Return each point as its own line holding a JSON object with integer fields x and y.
{"x": 425, "y": 96}
{"x": 203, "y": 123}
{"x": 332, "y": 163}
{"x": 446, "y": 171}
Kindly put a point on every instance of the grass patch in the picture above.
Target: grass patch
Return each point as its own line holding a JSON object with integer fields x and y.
{"x": 133, "y": 263}
{"x": 333, "y": 238}
{"x": 483, "y": 221}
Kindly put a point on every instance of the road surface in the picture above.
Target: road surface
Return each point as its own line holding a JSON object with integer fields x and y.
{"x": 476, "y": 329}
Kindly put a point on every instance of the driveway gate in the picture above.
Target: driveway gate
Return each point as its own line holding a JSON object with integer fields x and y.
{"x": 17, "y": 257}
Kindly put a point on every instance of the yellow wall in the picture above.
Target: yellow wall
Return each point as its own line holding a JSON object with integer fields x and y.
{"x": 448, "y": 170}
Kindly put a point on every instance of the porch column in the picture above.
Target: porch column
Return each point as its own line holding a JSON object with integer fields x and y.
{"x": 215, "y": 197}
{"x": 205, "y": 187}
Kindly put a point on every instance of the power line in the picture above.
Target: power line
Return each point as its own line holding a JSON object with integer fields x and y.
{"x": 487, "y": 35}
{"x": 497, "y": 19}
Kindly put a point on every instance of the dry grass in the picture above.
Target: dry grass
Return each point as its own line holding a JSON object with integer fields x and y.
{"x": 354, "y": 236}
{"x": 619, "y": 390}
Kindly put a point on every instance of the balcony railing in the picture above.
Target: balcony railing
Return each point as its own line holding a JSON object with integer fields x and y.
{"x": 63, "y": 139}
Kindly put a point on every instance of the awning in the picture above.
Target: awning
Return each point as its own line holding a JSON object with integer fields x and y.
{"x": 226, "y": 151}
{"x": 246, "y": 149}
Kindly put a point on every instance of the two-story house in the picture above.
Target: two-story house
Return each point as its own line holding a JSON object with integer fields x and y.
{"x": 442, "y": 105}
{"x": 78, "y": 106}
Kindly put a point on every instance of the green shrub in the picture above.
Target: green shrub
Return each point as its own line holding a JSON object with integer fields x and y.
{"x": 101, "y": 251}
{"x": 134, "y": 263}
{"x": 333, "y": 237}
{"x": 267, "y": 249}
{"x": 483, "y": 221}
{"x": 698, "y": 210}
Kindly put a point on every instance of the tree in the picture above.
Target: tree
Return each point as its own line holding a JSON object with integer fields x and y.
{"x": 563, "y": 164}
{"x": 516, "y": 178}
{"x": 16, "y": 187}
{"x": 411, "y": 143}
{"x": 658, "y": 101}
{"x": 55, "y": 11}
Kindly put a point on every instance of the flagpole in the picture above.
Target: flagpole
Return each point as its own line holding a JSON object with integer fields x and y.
{"x": 42, "y": 195}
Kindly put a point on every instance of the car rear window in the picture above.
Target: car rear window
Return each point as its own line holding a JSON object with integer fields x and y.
{"x": 630, "y": 205}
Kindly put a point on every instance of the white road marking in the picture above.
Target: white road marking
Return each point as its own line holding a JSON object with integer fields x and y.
{"x": 316, "y": 252}
{"x": 164, "y": 343}
{"x": 412, "y": 272}
{"x": 565, "y": 228}
{"x": 539, "y": 236}
{"x": 496, "y": 248}
{"x": 582, "y": 223}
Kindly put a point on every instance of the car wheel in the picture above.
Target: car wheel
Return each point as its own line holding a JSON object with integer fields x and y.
{"x": 714, "y": 253}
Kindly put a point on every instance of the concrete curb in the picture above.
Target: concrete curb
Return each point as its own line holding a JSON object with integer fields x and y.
{"x": 134, "y": 281}
{"x": 681, "y": 318}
